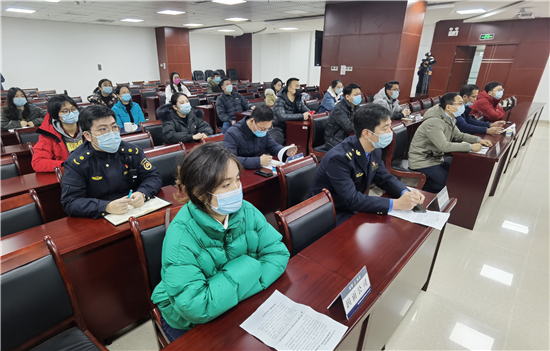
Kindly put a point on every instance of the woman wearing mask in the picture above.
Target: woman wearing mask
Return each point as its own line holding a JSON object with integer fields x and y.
{"x": 180, "y": 122}
{"x": 276, "y": 85}
{"x": 219, "y": 250}
{"x": 125, "y": 109}
{"x": 103, "y": 94}
{"x": 19, "y": 113}
{"x": 332, "y": 96}
{"x": 175, "y": 86}
{"x": 59, "y": 134}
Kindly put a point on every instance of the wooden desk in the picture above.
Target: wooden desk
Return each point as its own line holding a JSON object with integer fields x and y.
{"x": 209, "y": 116}
{"x": 17, "y": 149}
{"x": 153, "y": 102}
{"x": 297, "y": 133}
{"x": 9, "y": 138}
{"x": 242, "y": 115}
{"x": 24, "y": 156}
{"x": 472, "y": 177}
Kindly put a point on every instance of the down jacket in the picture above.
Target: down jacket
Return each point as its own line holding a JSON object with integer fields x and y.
{"x": 381, "y": 98}
{"x": 339, "y": 124}
{"x": 206, "y": 269}
{"x": 228, "y": 105}
{"x": 488, "y": 106}
{"x": 176, "y": 128}
{"x": 36, "y": 116}
{"x": 286, "y": 110}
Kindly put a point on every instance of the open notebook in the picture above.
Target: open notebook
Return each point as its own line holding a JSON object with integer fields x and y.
{"x": 149, "y": 206}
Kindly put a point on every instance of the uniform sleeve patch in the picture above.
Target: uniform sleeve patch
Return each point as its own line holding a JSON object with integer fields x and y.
{"x": 145, "y": 163}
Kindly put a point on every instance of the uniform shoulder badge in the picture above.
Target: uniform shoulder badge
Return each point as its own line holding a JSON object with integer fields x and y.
{"x": 146, "y": 164}
{"x": 80, "y": 159}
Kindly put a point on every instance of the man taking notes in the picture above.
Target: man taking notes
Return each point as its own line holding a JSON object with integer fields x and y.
{"x": 348, "y": 169}
{"x": 437, "y": 135}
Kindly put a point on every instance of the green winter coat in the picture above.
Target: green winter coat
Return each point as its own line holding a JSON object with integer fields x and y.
{"x": 206, "y": 270}
{"x": 436, "y": 136}
{"x": 212, "y": 86}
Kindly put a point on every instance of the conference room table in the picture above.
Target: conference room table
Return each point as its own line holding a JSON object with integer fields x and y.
{"x": 8, "y": 138}
{"x": 102, "y": 258}
{"x": 399, "y": 257}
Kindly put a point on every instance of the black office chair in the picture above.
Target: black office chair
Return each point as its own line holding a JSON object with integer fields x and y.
{"x": 317, "y": 136}
{"x": 144, "y": 95}
{"x": 211, "y": 98}
{"x": 21, "y": 212}
{"x": 316, "y": 95}
{"x": 222, "y": 73}
{"x": 257, "y": 103}
{"x": 162, "y": 97}
{"x": 155, "y": 129}
{"x": 9, "y": 168}
{"x": 194, "y": 101}
{"x": 39, "y": 307}
{"x": 295, "y": 180}
{"x": 198, "y": 75}
{"x": 27, "y": 135}
{"x": 141, "y": 140}
{"x": 232, "y": 74}
{"x": 165, "y": 161}
{"x": 305, "y": 223}
{"x": 249, "y": 97}
{"x": 209, "y": 73}
{"x": 370, "y": 98}
{"x": 426, "y": 103}
{"x": 134, "y": 90}
{"x": 313, "y": 105}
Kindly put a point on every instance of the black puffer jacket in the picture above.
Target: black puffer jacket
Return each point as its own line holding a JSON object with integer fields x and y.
{"x": 286, "y": 110}
{"x": 228, "y": 105}
{"x": 176, "y": 128}
{"x": 339, "y": 124}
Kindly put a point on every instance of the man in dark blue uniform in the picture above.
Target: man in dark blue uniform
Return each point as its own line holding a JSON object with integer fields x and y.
{"x": 100, "y": 173}
{"x": 348, "y": 169}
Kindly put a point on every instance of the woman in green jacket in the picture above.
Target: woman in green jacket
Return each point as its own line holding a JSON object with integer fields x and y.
{"x": 219, "y": 249}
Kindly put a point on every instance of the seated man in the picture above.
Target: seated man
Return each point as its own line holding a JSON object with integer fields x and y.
{"x": 387, "y": 97}
{"x": 349, "y": 168}
{"x": 289, "y": 106}
{"x": 250, "y": 142}
{"x": 229, "y": 103}
{"x": 468, "y": 124}
{"x": 213, "y": 84}
{"x": 101, "y": 172}
{"x": 438, "y": 135}
{"x": 487, "y": 102}
{"x": 339, "y": 123}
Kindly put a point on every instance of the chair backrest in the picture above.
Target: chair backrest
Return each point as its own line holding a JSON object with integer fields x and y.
{"x": 415, "y": 106}
{"x": 77, "y": 99}
{"x": 134, "y": 90}
{"x": 21, "y": 212}
{"x": 198, "y": 75}
{"x": 9, "y": 168}
{"x": 211, "y": 98}
{"x": 221, "y": 72}
{"x": 370, "y": 98}
{"x": 162, "y": 97}
{"x": 144, "y": 95}
{"x": 232, "y": 74}
{"x": 252, "y": 90}
{"x": 165, "y": 159}
{"x": 316, "y": 95}
{"x": 435, "y": 100}
{"x": 319, "y": 124}
{"x": 217, "y": 138}
{"x": 303, "y": 224}
{"x": 256, "y": 102}
{"x": 155, "y": 129}
{"x": 313, "y": 105}
{"x": 400, "y": 141}
{"x": 37, "y": 295}
{"x": 142, "y": 140}
{"x": 209, "y": 73}
{"x": 194, "y": 101}
{"x": 249, "y": 97}
{"x": 43, "y": 93}
{"x": 426, "y": 103}
{"x": 295, "y": 180}
{"x": 27, "y": 135}
{"x": 138, "y": 82}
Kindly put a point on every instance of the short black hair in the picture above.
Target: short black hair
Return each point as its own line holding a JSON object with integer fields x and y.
{"x": 92, "y": 113}
{"x": 118, "y": 87}
{"x": 96, "y": 90}
{"x": 349, "y": 88}
{"x": 335, "y": 83}
{"x": 290, "y": 80}
{"x": 468, "y": 89}
{"x": 175, "y": 97}
{"x": 262, "y": 113}
{"x": 220, "y": 84}
{"x": 447, "y": 99}
{"x": 275, "y": 81}
{"x": 390, "y": 84}
{"x": 491, "y": 85}
{"x": 368, "y": 117}
{"x": 216, "y": 73}
{"x": 56, "y": 102}
{"x": 195, "y": 180}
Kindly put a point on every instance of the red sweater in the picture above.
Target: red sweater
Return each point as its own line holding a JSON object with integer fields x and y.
{"x": 50, "y": 151}
{"x": 488, "y": 106}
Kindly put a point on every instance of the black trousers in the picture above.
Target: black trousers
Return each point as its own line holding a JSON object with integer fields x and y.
{"x": 436, "y": 176}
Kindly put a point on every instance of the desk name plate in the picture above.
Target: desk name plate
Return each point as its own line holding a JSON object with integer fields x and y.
{"x": 354, "y": 293}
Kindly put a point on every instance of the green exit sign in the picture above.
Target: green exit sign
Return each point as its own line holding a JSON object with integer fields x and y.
{"x": 487, "y": 36}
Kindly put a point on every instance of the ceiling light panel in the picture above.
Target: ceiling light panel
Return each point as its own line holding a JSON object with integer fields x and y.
{"x": 470, "y": 12}
{"x": 236, "y": 19}
{"x": 171, "y": 12}
{"x": 229, "y": 2}
{"x": 18, "y": 10}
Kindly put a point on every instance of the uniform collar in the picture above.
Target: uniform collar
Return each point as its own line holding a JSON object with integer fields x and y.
{"x": 359, "y": 154}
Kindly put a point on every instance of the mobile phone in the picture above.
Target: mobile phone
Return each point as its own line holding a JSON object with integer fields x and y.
{"x": 419, "y": 208}
{"x": 264, "y": 173}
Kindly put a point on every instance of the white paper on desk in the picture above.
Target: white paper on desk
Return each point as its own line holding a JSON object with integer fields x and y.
{"x": 286, "y": 325}
{"x": 432, "y": 219}
{"x": 275, "y": 163}
{"x": 483, "y": 150}
{"x": 148, "y": 207}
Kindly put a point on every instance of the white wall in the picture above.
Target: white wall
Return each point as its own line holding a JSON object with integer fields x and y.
{"x": 543, "y": 92}
{"x": 207, "y": 51}
{"x": 425, "y": 46}
{"x": 284, "y": 56}
{"x": 63, "y": 55}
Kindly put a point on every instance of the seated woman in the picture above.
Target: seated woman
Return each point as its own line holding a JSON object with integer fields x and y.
{"x": 175, "y": 86}
{"x": 103, "y": 94}
{"x": 19, "y": 113}
{"x": 180, "y": 122}
{"x": 219, "y": 250}
{"x": 125, "y": 109}
{"x": 333, "y": 95}
{"x": 276, "y": 85}
{"x": 60, "y": 134}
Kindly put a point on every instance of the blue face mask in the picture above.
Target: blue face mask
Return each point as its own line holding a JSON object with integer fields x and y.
{"x": 499, "y": 94}
{"x": 229, "y": 202}
{"x": 217, "y": 79}
{"x": 70, "y": 118}
{"x": 109, "y": 142}
{"x": 107, "y": 90}
{"x": 229, "y": 89}
{"x": 460, "y": 111}
{"x": 19, "y": 101}
{"x": 339, "y": 90}
{"x": 395, "y": 94}
{"x": 357, "y": 100}
{"x": 469, "y": 104}
{"x": 185, "y": 108}
{"x": 126, "y": 97}
{"x": 383, "y": 140}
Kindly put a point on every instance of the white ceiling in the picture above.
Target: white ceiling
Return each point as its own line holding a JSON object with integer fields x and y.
{"x": 265, "y": 16}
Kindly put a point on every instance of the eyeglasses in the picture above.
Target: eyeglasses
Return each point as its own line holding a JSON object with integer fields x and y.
{"x": 105, "y": 130}
{"x": 65, "y": 111}
{"x": 460, "y": 103}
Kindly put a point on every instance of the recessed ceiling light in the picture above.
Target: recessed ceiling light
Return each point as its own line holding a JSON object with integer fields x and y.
{"x": 226, "y": 30}
{"x": 171, "y": 12}
{"x": 52, "y": 0}
{"x": 296, "y": 12}
{"x": 236, "y": 19}
{"x": 469, "y": 12}
{"x": 193, "y": 24}
{"x": 131, "y": 20}
{"x": 288, "y": 28}
{"x": 229, "y": 2}
{"x": 13, "y": 9}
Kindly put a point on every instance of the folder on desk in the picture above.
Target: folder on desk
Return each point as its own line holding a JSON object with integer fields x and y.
{"x": 149, "y": 206}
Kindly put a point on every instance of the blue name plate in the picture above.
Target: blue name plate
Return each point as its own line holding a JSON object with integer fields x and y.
{"x": 294, "y": 158}
{"x": 355, "y": 293}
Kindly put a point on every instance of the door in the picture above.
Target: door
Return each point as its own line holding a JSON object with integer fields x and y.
{"x": 462, "y": 64}
{"x": 496, "y": 64}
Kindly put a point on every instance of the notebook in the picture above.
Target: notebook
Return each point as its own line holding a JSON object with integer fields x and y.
{"x": 148, "y": 207}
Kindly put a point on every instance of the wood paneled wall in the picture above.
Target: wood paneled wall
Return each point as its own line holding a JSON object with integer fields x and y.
{"x": 238, "y": 55}
{"x": 173, "y": 50}
{"x": 516, "y": 56}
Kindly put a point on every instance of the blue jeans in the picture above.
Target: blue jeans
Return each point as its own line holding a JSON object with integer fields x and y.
{"x": 225, "y": 126}
{"x": 171, "y": 333}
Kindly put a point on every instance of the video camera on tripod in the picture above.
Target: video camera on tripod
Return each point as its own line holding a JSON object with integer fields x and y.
{"x": 428, "y": 60}
{"x": 426, "y": 67}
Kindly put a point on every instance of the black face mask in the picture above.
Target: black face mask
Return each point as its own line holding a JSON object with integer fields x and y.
{"x": 298, "y": 92}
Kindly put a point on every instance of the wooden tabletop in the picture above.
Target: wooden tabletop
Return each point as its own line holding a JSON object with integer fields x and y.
{"x": 22, "y": 184}
{"x": 15, "y": 149}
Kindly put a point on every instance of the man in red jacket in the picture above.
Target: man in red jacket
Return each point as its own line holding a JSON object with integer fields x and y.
{"x": 487, "y": 102}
